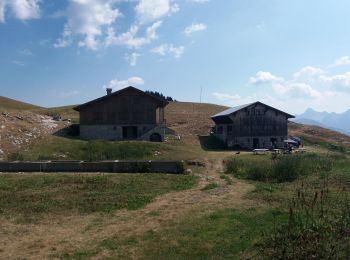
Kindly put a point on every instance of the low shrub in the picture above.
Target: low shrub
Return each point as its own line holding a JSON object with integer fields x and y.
{"x": 318, "y": 228}
{"x": 284, "y": 168}
{"x": 210, "y": 186}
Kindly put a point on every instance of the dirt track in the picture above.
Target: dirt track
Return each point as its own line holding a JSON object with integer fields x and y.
{"x": 56, "y": 234}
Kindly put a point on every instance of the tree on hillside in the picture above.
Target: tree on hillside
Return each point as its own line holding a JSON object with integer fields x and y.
{"x": 159, "y": 95}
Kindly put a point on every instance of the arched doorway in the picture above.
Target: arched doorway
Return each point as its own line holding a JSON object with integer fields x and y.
{"x": 155, "y": 137}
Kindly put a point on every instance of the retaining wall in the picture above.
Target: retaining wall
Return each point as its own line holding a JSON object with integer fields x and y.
{"x": 175, "y": 167}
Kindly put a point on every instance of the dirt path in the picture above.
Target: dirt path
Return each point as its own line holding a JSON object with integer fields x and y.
{"x": 74, "y": 232}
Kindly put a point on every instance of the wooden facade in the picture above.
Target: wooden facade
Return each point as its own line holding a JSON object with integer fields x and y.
{"x": 252, "y": 126}
{"x": 126, "y": 114}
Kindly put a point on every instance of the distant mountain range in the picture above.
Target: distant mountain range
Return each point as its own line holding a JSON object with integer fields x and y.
{"x": 335, "y": 121}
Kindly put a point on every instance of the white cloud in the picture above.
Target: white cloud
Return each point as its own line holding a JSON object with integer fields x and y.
{"x": 130, "y": 38}
{"x": 89, "y": 19}
{"x": 18, "y": 63}
{"x": 169, "y": 49}
{"x": 199, "y": 1}
{"x": 345, "y": 60}
{"x": 21, "y": 9}
{"x": 195, "y": 27}
{"x": 264, "y": 77}
{"x": 25, "y": 52}
{"x": 150, "y": 10}
{"x": 308, "y": 72}
{"x": 289, "y": 88}
{"x": 116, "y": 84}
{"x": 233, "y": 100}
{"x": 292, "y": 89}
{"x": 340, "y": 81}
{"x": 132, "y": 58}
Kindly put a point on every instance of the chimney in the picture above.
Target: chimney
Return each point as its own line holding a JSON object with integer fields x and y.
{"x": 109, "y": 91}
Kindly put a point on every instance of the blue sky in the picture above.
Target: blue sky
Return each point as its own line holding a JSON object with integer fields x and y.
{"x": 289, "y": 54}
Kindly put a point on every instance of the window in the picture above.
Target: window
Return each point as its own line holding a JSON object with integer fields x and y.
{"x": 229, "y": 129}
{"x": 220, "y": 130}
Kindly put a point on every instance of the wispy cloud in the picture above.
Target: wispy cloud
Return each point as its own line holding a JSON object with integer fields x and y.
{"x": 199, "y": 1}
{"x": 151, "y": 10}
{"x": 132, "y": 58}
{"x": 25, "y": 52}
{"x": 169, "y": 49}
{"x": 195, "y": 27}
{"x": 130, "y": 38}
{"x": 18, "y": 63}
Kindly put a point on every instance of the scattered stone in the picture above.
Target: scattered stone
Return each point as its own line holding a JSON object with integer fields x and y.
{"x": 156, "y": 153}
{"x": 195, "y": 163}
{"x": 188, "y": 171}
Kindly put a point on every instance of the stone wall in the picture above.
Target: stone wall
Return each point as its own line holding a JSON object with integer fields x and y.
{"x": 115, "y": 132}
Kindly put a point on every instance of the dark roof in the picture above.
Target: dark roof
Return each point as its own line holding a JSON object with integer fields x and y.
{"x": 223, "y": 117}
{"x": 160, "y": 100}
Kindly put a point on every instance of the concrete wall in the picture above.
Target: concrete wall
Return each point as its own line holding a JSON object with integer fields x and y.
{"x": 246, "y": 142}
{"x": 115, "y": 132}
{"x": 103, "y": 166}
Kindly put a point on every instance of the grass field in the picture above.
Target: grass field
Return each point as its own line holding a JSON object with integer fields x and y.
{"x": 29, "y": 197}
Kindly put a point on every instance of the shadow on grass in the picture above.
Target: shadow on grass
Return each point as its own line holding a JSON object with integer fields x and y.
{"x": 71, "y": 132}
{"x": 211, "y": 143}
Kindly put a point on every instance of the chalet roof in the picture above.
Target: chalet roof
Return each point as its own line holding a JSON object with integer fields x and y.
{"x": 160, "y": 100}
{"x": 223, "y": 116}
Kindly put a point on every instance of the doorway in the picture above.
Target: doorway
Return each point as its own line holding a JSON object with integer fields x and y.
{"x": 255, "y": 143}
{"x": 129, "y": 132}
{"x": 155, "y": 137}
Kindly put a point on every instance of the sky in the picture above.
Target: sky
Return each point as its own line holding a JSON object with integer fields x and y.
{"x": 291, "y": 54}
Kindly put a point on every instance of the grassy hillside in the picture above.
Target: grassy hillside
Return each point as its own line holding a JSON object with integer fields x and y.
{"x": 11, "y": 104}
{"x": 232, "y": 206}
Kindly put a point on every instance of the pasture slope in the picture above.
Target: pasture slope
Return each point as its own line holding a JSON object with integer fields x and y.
{"x": 223, "y": 209}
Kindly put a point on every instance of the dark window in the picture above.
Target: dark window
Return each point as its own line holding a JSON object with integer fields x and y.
{"x": 229, "y": 129}
{"x": 220, "y": 130}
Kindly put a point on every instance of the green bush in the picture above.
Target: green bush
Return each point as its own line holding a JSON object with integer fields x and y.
{"x": 284, "y": 168}
{"x": 180, "y": 168}
{"x": 15, "y": 157}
